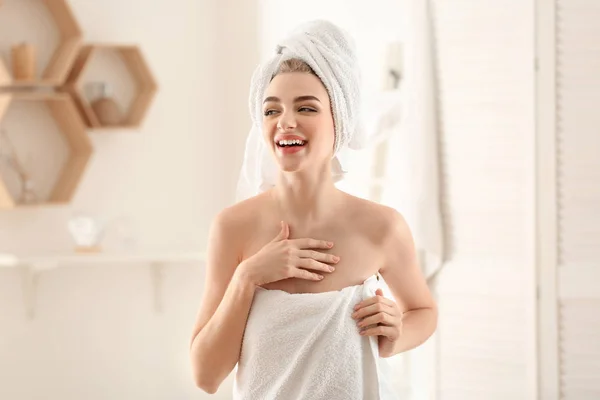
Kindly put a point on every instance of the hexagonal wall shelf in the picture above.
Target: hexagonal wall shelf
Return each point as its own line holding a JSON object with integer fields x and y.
{"x": 60, "y": 62}
{"x": 143, "y": 89}
{"x": 68, "y": 129}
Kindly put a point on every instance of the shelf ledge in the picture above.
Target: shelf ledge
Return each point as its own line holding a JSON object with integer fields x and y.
{"x": 32, "y": 266}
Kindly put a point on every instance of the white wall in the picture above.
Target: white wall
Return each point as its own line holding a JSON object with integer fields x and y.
{"x": 158, "y": 176}
{"x": 574, "y": 354}
{"x": 95, "y": 335}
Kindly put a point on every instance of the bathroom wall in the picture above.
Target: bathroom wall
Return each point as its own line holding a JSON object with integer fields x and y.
{"x": 96, "y": 334}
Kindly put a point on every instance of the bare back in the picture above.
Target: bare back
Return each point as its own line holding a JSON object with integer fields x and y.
{"x": 357, "y": 233}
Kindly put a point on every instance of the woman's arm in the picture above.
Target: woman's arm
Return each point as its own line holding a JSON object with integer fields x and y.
{"x": 225, "y": 304}
{"x": 403, "y": 276}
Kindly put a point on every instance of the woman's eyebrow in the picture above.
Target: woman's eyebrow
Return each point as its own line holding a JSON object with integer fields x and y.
{"x": 296, "y": 100}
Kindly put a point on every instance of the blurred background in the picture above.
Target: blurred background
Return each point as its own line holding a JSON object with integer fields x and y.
{"x": 487, "y": 140}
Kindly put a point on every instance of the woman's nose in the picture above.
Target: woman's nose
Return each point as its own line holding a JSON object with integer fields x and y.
{"x": 286, "y": 122}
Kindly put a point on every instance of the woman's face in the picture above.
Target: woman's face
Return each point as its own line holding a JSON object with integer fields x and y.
{"x": 297, "y": 121}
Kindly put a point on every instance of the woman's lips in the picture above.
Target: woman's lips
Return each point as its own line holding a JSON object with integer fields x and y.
{"x": 290, "y": 149}
{"x": 288, "y": 136}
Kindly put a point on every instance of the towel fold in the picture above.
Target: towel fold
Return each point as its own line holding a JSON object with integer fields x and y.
{"x": 307, "y": 346}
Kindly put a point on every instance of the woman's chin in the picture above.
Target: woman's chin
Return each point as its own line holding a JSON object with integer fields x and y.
{"x": 290, "y": 166}
{"x": 290, "y": 163}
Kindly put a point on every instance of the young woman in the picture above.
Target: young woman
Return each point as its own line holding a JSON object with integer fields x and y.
{"x": 285, "y": 293}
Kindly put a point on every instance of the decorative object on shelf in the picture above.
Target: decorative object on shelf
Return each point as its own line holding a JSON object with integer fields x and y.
{"x": 57, "y": 69}
{"x": 63, "y": 111}
{"x": 105, "y": 107}
{"x": 9, "y": 155}
{"x": 134, "y": 61}
{"x": 24, "y": 59}
{"x": 87, "y": 233}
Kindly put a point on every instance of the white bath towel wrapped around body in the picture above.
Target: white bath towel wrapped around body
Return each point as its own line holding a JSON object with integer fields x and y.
{"x": 300, "y": 346}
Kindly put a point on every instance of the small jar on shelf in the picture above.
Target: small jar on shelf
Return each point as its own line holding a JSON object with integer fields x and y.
{"x": 106, "y": 108}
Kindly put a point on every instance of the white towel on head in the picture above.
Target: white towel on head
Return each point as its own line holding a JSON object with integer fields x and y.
{"x": 307, "y": 346}
{"x": 330, "y": 52}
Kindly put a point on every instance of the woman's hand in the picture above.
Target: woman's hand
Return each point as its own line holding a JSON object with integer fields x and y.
{"x": 378, "y": 316}
{"x": 284, "y": 258}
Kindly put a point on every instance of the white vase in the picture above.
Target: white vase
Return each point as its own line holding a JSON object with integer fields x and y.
{"x": 86, "y": 232}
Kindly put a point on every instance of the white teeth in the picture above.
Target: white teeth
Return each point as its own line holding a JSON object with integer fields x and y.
{"x": 290, "y": 142}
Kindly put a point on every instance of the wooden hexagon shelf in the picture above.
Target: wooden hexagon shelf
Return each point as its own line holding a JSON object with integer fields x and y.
{"x": 78, "y": 147}
{"x": 145, "y": 86}
{"x": 5, "y": 77}
{"x": 59, "y": 65}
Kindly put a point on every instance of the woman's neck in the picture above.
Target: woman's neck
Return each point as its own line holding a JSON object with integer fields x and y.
{"x": 306, "y": 199}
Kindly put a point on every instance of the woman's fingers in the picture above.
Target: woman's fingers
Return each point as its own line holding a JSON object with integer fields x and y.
{"x": 379, "y": 318}
{"x": 391, "y": 332}
{"x": 308, "y": 243}
{"x": 375, "y": 300}
{"x": 304, "y": 274}
{"x": 374, "y": 309}
{"x": 309, "y": 263}
{"x": 309, "y": 259}
{"x": 317, "y": 255}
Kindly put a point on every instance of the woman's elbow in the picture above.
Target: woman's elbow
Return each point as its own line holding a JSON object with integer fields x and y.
{"x": 208, "y": 386}
{"x": 433, "y": 321}
{"x": 203, "y": 378}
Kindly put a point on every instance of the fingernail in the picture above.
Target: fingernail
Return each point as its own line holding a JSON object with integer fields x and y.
{"x": 331, "y": 269}
{"x": 330, "y": 244}
{"x": 336, "y": 258}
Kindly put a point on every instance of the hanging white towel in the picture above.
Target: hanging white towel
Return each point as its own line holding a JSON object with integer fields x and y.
{"x": 307, "y": 346}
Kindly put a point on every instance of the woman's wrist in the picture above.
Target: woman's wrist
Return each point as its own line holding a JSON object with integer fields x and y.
{"x": 243, "y": 276}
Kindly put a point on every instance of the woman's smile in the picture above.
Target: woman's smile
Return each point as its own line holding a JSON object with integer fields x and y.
{"x": 290, "y": 144}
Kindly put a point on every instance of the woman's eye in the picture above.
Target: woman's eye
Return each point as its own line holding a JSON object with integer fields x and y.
{"x": 267, "y": 113}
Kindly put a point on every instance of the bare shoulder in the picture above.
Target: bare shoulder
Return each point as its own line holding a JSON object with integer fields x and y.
{"x": 391, "y": 232}
{"x": 240, "y": 217}
{"x": 237, "y": 221}
{"x": 241, "y": 213}
{"x": 378, "y": 220}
